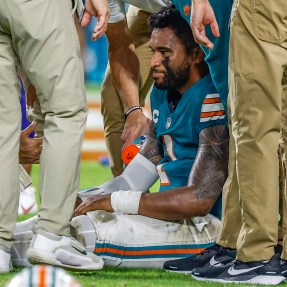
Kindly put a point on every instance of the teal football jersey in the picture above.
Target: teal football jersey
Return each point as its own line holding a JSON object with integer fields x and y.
{"x": 217, "y": 58}
{"x": 178, "y": 131}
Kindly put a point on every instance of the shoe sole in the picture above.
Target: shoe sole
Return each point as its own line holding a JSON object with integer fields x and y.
{"x": 179, "y": 272}
{"x": 262, "y": 280}
{"x": 35, "y": 258}
{"x": 5, "y": 270}
{"x": 2, "y": 270}
{"x": 20, "y": 263}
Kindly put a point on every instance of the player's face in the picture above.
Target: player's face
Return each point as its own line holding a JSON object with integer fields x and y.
{"x": 170, "y": 64}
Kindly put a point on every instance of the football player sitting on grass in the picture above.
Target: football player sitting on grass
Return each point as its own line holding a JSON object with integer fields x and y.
{"x": 186, "y": 148}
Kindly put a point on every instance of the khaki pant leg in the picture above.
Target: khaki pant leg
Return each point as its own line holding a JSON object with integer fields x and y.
{"x": 284, "y": 193}
{"x": 282, "y": 179}
{"x": 257, "y": 61}
{"x": 10, "y": 122}
{"x": 231, "y": 213}
{"x": 112, "y": 110}
{"x": 50, "y": 56}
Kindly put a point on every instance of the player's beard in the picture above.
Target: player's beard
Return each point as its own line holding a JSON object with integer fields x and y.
{"x": 174, "y": 78}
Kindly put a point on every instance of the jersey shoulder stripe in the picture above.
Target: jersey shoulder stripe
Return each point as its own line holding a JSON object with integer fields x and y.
{"x": 212, "y": 96}
{"x": 212, "y": 108}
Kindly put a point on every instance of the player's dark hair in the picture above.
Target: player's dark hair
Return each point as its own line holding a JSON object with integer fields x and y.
{"x": 169, "y": 17}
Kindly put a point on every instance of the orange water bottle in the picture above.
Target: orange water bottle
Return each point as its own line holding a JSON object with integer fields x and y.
{"x": 131, "y": 150}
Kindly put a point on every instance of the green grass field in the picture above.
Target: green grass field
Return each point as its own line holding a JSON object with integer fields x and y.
{"x": 117, "y": 277}
{"x": 93, "y": 173}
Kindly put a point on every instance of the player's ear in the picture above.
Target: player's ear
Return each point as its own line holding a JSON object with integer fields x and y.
{"x": 198, "y": 55}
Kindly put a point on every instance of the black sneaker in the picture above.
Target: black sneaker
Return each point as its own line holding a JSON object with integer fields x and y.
{"x": 266, "y": 272}
{"x": 212, "y": 256}
{"x": 283, "y": 264}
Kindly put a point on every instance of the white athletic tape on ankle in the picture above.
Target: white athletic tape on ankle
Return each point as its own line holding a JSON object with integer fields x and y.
{"x": 126, "y": 201}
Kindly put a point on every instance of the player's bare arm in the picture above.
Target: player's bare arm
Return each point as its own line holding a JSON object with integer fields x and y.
{"x": 206, "y": 181}
{"x": 207, "y": 178}
{"x": 150, "y": 148}
{"x": 211, "y": 159}
{"x": 150, "y": 152}
{"x": 124, "y": 66}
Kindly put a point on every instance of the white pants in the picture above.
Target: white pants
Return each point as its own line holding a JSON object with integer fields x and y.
{"x": 131, "y": 241}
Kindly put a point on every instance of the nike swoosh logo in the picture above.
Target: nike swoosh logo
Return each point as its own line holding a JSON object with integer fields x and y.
{"x": 82, "y": 252}
{"x": 232, "y": 271}
{"x": 213, "y": 262}
{"x": 26, "y": 210}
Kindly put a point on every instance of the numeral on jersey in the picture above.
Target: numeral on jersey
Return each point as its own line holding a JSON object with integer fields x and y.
{"x": 164, "y": 180}
{"x": 168, "y": 142}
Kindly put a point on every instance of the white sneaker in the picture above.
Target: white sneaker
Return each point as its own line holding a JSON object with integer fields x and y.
{"x": 5, "y": 262}
{"x": 62, "y": 251}
{"x": 23, "y": 235}
{"x": 27, "y": 201}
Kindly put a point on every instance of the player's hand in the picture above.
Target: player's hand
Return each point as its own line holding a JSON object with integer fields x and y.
{"x": 31, "y": 96}
{"x": 78, "y": 202}
{"x": 30, "y": 148}
{"x": 97, "y": 202}
{"x": 99, "y": 9}
{"x": 202, "y": 14}
{"x": 137, "y": 124}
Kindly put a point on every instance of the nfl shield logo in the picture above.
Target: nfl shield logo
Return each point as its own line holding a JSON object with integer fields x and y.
{"x": 168, "y": 122}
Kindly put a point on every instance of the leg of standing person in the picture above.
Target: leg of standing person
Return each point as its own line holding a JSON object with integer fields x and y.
{"x": 284, "y": 214}
{"x": 112, "y": 109}
{"x": 282, "y": 184}
{"x": 231, "y": 213}
{"x": 258, "y": 94}
{"x": 10, "y": 118}
{"x": 51, "y": 59}
{"x": 256, "y": 114}
{"x": 60, "y": 89}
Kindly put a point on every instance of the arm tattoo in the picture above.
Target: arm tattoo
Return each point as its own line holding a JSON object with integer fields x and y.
{"x": 151, "y": 148}
{"x": 210, "y": 168}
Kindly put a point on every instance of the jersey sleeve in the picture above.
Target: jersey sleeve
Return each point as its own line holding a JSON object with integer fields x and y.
{"x": 212, "y": 112}
{"x": 117, "y": 11}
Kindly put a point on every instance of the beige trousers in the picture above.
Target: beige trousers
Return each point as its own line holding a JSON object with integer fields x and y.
{"x": 258, "y": 110}
{"x": 112, "y": 109}
{"x": 41, "y": 35}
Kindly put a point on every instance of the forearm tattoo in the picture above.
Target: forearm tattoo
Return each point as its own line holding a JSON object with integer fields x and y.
{"x": 210, "y": 168}
{"x": 151, "y": 148}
